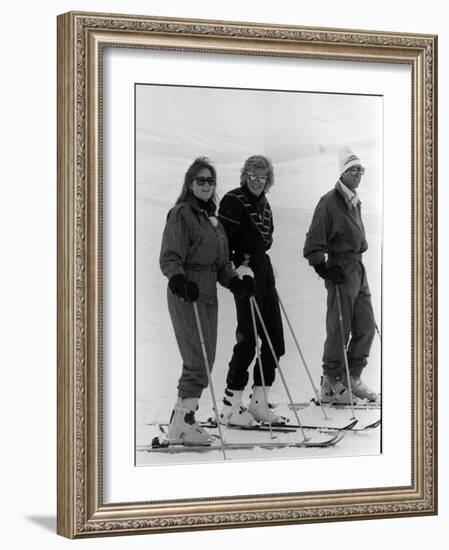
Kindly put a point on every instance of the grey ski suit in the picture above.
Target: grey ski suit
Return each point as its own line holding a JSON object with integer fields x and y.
{"x": 193, "y": 246}
{"x": 337, "y": 231}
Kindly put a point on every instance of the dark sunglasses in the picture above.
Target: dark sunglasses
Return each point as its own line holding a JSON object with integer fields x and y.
{"x": 202, "y": 181}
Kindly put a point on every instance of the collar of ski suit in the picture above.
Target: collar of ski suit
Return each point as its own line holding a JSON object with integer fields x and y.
{"x": 253, "y": 199}
{"x": 351, "y": 198}
{"x": 208, "y": 207}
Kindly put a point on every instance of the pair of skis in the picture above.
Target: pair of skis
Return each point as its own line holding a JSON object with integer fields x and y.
{"x": 162, "y": 445}
{"x": 286, "y": 428}
{"x": 359, "y": 405}
{"x": 335, "y": 435}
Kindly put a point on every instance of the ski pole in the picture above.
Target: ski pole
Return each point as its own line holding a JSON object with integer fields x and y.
{"x": 259, "y": 360}
{"x": 344, "y": 345}
{"x": 206, "y": 362}
{"x": 301, "y": 355}
{"x": 279, "y": 368}
{"x": 378, "y": 333}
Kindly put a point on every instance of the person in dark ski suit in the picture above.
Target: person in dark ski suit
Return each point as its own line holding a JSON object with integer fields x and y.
{"x": 337, "y": 231}
{"x": 194, "y": 256}
{"x": 248, "y": 221}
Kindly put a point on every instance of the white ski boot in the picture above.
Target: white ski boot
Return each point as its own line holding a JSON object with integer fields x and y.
{"x": 183, "y": 428}
{"x": 234, "y": 411}
{"x": 334, "y": 391}
{"x": 261, "y": 409}
{"x": 361, "y": 390}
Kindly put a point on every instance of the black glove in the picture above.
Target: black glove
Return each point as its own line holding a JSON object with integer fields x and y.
{"x": 186, "y": 290}
{"x": 243, "y": 288}
{"x": 334, "y": 274}
{"x": 239, "y": 258}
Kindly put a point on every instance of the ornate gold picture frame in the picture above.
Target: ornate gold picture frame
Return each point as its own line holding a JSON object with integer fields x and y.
{"x": 83, "y": 511}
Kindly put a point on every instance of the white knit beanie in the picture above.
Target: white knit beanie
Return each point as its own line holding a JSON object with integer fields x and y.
{"x": 346, "y": 159}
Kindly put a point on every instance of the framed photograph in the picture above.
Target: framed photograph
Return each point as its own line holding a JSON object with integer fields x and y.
{"x": 247, "y": 274}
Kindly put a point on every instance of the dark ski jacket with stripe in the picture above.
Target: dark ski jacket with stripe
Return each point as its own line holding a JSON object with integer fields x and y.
{"x": 336, "y": 228}
{"x": 248, "y": 222}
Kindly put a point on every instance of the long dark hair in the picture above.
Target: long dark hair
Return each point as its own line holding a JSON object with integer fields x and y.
{"x": 258, "y": 162}
{"x": 197, "y": 165}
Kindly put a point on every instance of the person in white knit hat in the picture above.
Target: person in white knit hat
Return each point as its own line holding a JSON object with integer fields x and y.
{"x": 337, "y": 232}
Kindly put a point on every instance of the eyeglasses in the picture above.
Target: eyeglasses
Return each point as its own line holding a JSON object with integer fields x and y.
{"x": 202, "y": 181}
{"x": 354, "y": 171}
{"x": 254, "y": 177}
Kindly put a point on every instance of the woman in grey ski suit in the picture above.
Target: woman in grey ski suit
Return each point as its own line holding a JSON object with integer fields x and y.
{"x": 194, "y": 256}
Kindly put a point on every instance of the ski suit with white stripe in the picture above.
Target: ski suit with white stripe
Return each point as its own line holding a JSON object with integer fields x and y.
{"x": 248, "y": 222}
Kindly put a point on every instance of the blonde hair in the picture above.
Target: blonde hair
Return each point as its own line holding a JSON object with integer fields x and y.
{"x": 258, "y": 162}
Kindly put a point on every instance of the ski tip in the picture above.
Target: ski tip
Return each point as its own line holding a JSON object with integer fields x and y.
{"x": 374, "y": 425}
{"x": 334, "y": 439}
{"x": 350, "y": 425}
{"x": 327, "y": 443}
{"x": 338, "y": 437}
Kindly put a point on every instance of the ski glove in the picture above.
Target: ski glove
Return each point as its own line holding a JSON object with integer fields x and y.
{"x": 243, "y": 288}
{"x": 239, "y": 258}
{"x": 187, "y": 291}
{"x": 334, "y": 274}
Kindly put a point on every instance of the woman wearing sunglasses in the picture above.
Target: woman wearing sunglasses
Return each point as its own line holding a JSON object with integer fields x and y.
{"x": 246, "y": 216}
{"x": 194, "y": 256}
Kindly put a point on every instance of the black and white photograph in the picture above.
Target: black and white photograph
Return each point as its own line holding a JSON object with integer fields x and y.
{"x": 245, "y": 274}
{"x": 258, "y": 274}
{"x": 223, "y": 236}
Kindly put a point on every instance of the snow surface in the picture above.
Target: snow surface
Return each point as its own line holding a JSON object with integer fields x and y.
{"x": 158, "y": 363}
